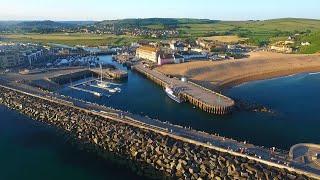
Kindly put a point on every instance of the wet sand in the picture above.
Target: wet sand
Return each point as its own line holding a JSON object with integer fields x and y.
{"x": 220, "y": 75}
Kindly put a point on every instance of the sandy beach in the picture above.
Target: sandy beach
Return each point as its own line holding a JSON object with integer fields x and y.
{"x": 220, "y": 75}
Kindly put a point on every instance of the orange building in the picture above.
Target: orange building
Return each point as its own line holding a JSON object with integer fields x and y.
{"x": 148, "y": 53}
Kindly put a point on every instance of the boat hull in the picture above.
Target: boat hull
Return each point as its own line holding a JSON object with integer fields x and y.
{"x": 171, "y": 95}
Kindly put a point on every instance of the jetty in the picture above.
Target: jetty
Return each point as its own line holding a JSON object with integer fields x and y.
{"x": 89, "y": 83}
{"x": 205, "y": 99}
{"x": 111, "y": 73}
{"x": 86, "y": 90}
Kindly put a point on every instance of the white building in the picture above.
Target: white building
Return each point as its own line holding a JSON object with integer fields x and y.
{"x": 305, "y": 44}
{"x": 193, "y": 55}
{"x": 177, "y": 46}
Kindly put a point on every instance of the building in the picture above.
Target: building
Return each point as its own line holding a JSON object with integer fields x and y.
{"x": 165, "y": 58}
{"x": 34, "y": 56}
{"x": 177, "y": 46}
{"x": 17, "y": 54}
{"x": 281, "y": 47}
{"x": 11, "y": 59}
{"x": 237, "y": 49}
{"x": 192, "y": 55}
{"x": 148, "y": 53}
{"x": 305, "y": 44}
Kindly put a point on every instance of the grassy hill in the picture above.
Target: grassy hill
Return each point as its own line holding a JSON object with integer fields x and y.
{"x": 155, "y": 21}
{"x": 72, "y": 39}
{"x": 256, "y": 32}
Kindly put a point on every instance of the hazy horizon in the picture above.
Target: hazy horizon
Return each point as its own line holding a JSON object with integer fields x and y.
{"x": 30, "y": 20}
{"x": 96, "y": 10}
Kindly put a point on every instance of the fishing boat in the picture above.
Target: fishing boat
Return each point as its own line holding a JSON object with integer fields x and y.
{"x": 170, "y": 93}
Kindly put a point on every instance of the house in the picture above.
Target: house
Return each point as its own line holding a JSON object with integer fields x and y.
{"x": 148, "y": 53}
{"x": 288, "y": 42}
{"x": 192, "y": 55}
{"x": 202, "y": 43}
{"x": 165, "y": 58}
{"x": 177, "y": 46}
{"x": 11, "y": 59}
{"x": 305, "y": 44}
{"x": 281, "y": 47}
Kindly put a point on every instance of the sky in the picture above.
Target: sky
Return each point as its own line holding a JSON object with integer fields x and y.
{"x": 120, "y": 9}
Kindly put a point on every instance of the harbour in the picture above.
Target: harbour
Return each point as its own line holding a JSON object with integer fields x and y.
{"x": 167, "y": 90}
{"x": 237, "y": 125}
{"x": 153, "y": 125}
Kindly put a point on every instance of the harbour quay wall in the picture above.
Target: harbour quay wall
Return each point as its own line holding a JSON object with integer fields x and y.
{"x": 86, "y": 73}
{"x": 203, "y": 98}
{"x": 155, "y": 154}
{"x": 72, "y": 76}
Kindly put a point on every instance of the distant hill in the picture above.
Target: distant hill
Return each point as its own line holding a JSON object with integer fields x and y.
{"x": 257, "y": 32}
{"x": 35, "y": 26}
{"x": 43, "y": 24}
{"x": 155, "y": 21}
{"x": 80, "y": 23}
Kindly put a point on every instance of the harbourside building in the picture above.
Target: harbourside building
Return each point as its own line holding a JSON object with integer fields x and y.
{"x": 165, "y": 58}
{"x": 177, "y": 46}
{"x": 34, "y": 56}
{"x": 192, "y": 55}
{"x": 148, "y": 53}
{"x": 18, "y": 54}
{"x": 11, "y": 59}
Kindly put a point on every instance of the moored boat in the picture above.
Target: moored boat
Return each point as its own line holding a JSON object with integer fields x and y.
{"x": 171, "y": 94}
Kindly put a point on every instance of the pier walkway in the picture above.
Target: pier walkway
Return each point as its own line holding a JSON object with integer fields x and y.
{"x": 205, "y": 99}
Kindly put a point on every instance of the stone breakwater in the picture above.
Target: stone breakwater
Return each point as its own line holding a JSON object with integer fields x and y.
{"x": 153, "y": 154}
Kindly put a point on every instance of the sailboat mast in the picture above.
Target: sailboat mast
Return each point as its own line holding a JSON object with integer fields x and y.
{"x": 101, "y": 72}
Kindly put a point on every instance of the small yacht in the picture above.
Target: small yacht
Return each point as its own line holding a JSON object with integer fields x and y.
{"x": 101, "y": 83}
{"x": 112, "y": 90}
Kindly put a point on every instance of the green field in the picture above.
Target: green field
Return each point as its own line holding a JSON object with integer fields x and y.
{"x": 256, "y": 32}
{"x": 314, "y": 39}
{"x": 74, "y": 39}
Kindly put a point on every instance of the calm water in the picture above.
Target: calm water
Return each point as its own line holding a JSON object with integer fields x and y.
{"x": 295, "y": 100}
{"x": 30, "y": 150}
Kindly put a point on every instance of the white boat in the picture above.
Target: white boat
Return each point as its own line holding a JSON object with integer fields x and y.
{"x": 97, "y": 94}
{"x": 102, "y": 84}
{"x": 171, "y": 95}
{"x": 112, "y": 90}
